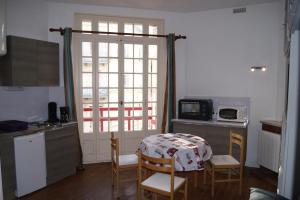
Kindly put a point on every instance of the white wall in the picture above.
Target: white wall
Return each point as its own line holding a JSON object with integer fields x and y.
{"x": 222, "y": 46}
{"x": 26, "y": 19}
{"x": 215, "y": 59}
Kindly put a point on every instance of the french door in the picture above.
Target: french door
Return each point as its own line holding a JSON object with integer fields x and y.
{"x": 119, "y": 89}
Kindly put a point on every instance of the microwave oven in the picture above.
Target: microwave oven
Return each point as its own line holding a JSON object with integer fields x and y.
{"x": 232, "y": 113}
{"x": 197, "y": 109}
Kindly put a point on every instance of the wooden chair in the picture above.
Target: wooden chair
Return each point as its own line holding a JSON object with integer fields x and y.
{"x": 227, "y": 163}
{"x": 161, "y": 179}
{"x": 121, "y": 163}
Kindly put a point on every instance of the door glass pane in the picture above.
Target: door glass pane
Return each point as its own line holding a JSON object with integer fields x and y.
{"x": 103, "y": 117}
{"x": 138, "y": 110}
{"x": 103, "y": 110}
{"x": 86, "y": 26}
{"x": 152, "y": 80}
{"x": 113, "y": 27}
{"x": 113, "y": 50}
{"x": 103, "y": 49}
{"x": 152, "y": 109}
{"x": 113, "y": 95}
{"x": 128, "y": 50}
{"x": 113, "y": 80}
{"x": 103, "y": 65}
{"x": 103, "y": 80}
{"x": 152, "y": 51}
{"x": 86, "y": 49}
{"x": 102, "y": 26}
{"x": 152, "y": 123}
{"x": 103, "y": 95}
{"x": 128, "y": 95}
{"x": 128, "y": 28}
{"x": 138, "y": 28}
{"x": 152, "y": 66}
{"x": 87, "y": 64}
{"x": 113, "y": 65}
{"x": 87, "y": 95}
{"x": 152, "y": 94}
{"x": 152, "y": 30}
{"x": 138, "y": 124}
{"x": 138, "y": 80}
{"x": 128, "y": 109}
{"x": 87, "y": 111}
{"x": 128, "y": 80}
{"x": 138, "y": 95}
{"x": 128, "y": 124}
{"x": 87, "y": 126}
{"x": 138, "y": 51}
{"x": 138, "y": 66}
{"x": 86, "y": 79}
{"x": 128, "y": 65}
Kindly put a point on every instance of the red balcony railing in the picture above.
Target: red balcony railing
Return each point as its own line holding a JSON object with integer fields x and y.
{"x": 129, "y": 111}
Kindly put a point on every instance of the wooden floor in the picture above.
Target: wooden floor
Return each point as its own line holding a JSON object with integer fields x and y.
{"x": 94, "y": 183}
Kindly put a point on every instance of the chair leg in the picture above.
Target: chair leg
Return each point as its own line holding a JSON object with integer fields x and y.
{"x": 118, "y": 184}
{"x": 186, "y": 190}
{"x": 205, "y": 174}
{"x": 212, "y": 182}
{"x": 241, "y": 180}
{"x": 137, "y": 185}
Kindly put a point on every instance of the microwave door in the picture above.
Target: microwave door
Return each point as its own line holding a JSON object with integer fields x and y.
{"x": 191, "y": 109}
{"x": 228, "y": 113}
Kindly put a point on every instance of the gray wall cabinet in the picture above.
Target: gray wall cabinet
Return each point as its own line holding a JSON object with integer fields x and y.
{"x": 29, "y": 62}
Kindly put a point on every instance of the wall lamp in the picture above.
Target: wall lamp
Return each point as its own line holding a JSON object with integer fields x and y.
{"x": 258, "y": 68}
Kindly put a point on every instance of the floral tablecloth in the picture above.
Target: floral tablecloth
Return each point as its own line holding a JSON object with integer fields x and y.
{"x": 190, "y": 151}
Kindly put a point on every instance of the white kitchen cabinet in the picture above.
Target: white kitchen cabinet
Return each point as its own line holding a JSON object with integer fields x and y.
{"x": 269, "y": 145}
{"x": 30, "y": 158}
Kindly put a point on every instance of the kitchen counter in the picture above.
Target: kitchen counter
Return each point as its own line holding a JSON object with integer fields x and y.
{"x": 213, "y": 123}
{"x": 34, "y": 129}
{"x": 62, "y": 154}
{"x": 216, "y": 133}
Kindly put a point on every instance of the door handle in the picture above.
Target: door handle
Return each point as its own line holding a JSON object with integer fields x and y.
{"x": 121, "y": 103}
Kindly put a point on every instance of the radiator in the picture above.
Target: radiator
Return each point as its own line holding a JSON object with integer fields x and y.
{"x": 269, "y": 150}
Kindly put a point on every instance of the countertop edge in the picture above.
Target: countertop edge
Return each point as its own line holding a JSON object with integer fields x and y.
{"x": 213, "y": 123}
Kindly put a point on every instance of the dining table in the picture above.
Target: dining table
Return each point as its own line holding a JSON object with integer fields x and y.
{"x": 190, "y": 151}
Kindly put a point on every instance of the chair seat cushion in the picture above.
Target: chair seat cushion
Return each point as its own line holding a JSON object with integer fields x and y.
{"x": 224, "y": 160}
{"x": 129, "y": 159}
{"x": 162, "y": 182}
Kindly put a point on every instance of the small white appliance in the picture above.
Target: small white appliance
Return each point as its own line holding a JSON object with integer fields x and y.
{"x": 30, "y": 163}
{"x": 232, "y": 113}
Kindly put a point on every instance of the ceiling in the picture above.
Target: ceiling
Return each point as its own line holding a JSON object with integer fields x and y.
{"x": 170, "y": 5}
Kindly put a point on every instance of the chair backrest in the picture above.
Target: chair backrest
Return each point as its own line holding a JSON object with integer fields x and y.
{"x": 114, "y": 149}
{"x": 237, "y": 139}
{"x": 163, "y": 165}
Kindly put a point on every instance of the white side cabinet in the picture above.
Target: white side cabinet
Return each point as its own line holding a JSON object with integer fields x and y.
{"x": 30, "y": 163}
{"x": 269, "y": 145}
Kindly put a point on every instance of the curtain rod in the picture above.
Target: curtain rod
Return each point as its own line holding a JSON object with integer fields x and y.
{"x": 61, "y": 30}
